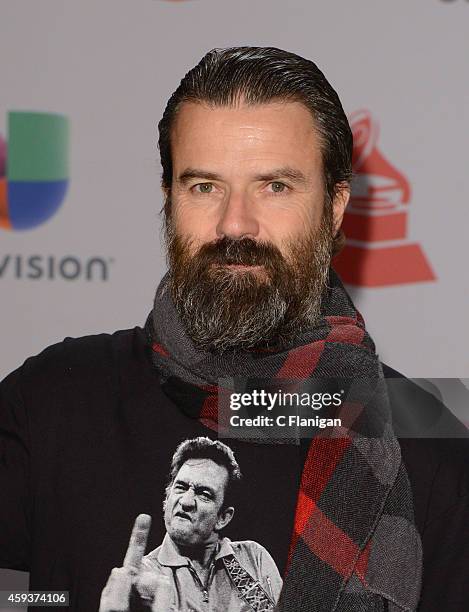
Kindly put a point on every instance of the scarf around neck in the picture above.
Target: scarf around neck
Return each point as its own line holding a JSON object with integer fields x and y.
{"x": 354, "y": 546}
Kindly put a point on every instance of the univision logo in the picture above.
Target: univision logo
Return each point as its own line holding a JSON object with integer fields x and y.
{"x": 34, "y": 177}
{"x": 34, "y": 171}
{"x": 51, "y": 267}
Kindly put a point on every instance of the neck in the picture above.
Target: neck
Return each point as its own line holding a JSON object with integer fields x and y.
{"x": 200, "y": 555}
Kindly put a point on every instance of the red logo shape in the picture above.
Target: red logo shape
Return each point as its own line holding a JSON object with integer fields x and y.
{"x": 377, "y": 252}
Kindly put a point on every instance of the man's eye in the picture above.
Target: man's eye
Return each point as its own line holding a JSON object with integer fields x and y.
{"x": 203, "y": 187}
{"x": 277, "y": 187}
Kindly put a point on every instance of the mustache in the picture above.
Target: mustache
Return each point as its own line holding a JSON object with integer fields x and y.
{"x": 243, "y": 252}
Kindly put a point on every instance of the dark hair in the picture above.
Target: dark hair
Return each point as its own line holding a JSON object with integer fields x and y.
{"x": 259, "y": 75}
{"x": 205, "y": 448}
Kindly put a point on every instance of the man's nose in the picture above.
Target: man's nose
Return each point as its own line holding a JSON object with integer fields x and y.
{"x": 187, "y": 499}
{"x": 237, "y": 219}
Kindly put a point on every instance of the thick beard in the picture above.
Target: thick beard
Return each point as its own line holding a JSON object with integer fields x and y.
{"x": 226, "y": 309}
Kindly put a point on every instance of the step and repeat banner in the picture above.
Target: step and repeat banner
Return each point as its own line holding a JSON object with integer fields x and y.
{"x": 83, "y": 85}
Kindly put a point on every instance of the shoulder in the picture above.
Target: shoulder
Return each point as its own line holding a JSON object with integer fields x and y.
{"x": 434, "y": 446}
{"x": 78, "y": 372}
{"x": 438, "y": 471}
{"x": 246, "y": 545}
{"x": 418, "y": 410}
{"x": 89, "y": 351}
{"x": 79, "y": 356}
{"x": 251, "y": 549}
{"x": 254, "y": 558}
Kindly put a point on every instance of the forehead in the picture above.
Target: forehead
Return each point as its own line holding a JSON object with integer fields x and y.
{"x": 249, "y": 136}
{"x": 203, "y": 472}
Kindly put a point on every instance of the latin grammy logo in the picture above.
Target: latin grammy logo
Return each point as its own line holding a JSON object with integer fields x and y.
{"x": 377, "y": 252}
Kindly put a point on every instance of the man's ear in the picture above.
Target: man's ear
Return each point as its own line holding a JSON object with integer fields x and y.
{"x": 224, "y": 518}
{"x": 339, "y": 204}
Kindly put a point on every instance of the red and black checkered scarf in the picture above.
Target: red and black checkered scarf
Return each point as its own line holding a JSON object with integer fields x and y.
{"x": 355, "y": 546}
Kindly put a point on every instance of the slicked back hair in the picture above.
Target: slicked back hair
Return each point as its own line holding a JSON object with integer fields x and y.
{"x": 259, "y": 75}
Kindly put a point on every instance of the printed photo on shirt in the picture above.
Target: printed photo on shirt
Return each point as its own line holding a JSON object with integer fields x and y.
{"x": 196, "y": 567}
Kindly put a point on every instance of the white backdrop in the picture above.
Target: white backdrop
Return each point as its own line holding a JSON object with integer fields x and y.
{"x": 109, "y": 66}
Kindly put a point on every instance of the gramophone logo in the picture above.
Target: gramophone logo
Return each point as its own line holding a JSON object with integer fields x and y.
{"x": 377, "y": 252}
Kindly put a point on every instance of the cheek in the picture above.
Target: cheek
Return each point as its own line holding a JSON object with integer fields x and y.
{"x": 190, "y": 222}
{"x": 284, "y": 228}
{"x": 197, "y": 219}
{"x": 209, "y": 518}
{"x": 170, "y": 503}
{"x": 294, "y": 215}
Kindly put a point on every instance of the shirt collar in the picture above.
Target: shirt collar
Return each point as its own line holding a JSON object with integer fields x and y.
{"x": 224, "y": 549}
{"x": 168, "y": 554}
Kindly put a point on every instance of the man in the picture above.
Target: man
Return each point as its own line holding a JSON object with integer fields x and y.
{"x": 194, "y": 564}
{"x": 256, "y": 153}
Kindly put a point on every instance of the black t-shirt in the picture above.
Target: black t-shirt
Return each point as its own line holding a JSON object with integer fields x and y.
{"x": 86, "y": 439}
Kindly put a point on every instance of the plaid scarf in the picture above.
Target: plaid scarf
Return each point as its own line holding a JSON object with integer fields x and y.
{"x": 355, "y": 546}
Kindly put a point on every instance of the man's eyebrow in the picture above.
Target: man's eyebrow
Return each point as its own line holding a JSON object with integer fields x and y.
{"x": 285, "y": 172}
{"x": 197, "y": 486}
{"x": 196, "y": 173}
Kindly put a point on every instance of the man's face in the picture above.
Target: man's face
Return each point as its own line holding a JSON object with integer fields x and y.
{"x": 249, "y": 244}
{"x": 192, "y": 512}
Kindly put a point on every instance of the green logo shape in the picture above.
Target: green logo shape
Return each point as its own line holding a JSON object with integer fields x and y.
{"x": 38, "y": 145}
